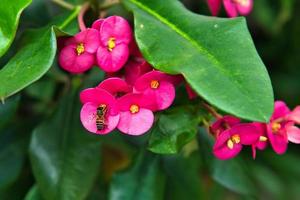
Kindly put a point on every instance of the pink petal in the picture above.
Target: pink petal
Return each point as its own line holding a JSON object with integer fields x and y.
{"x": 221, "y": 150}
{"x": 293, "y": 133}
{"x": 127, "y": 100}
{"x": 144, "y": 81}
{"x": 230, "y": 8}
{"x": 134, "y": 49}
{"x": 116, "y": 27}
{"x": 97, "y": 24}
{"x": 278, "y": 140}
{"x": 115, "y": 86}
{"x": 88, "y": 119}
{"x": 114, "y": 60}
{"x": 90, "y": 39}
{"x": 162, "y": 97}
{"x": 245, "y": 9}
{"x": 214, "y": 6}
{"x": 280, "y": 110}
{"x": 222, "y": 124}
{"x": 134, "y": 69}
{"x": 136, "y": 124}
{"x": 295, "y": 115}
{"x": 71, "y": 62}
{"x": 99, "y": 96}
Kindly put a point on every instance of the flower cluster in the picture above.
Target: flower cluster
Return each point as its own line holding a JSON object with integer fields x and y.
{"x": 127, "y": 99}
{"x": 231, "y": 134}
{"x": 233, "y": 7}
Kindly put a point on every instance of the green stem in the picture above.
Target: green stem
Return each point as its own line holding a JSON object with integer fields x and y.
{"x": 109, "y": 4}
{"x": 70, "y": 17}
{"x": 64, "y": 4}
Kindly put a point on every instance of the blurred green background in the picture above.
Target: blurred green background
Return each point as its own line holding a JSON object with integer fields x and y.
{"x": 120, "y": 167}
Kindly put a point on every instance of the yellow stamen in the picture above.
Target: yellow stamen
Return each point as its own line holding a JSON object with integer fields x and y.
{"x": 111, "y": 44}
{"x": 235, "y": 139}
{"x": 134, "y": 109}
{"x": 244, "y": 3}
{"x": 275, "y": 127}
{"x": 263, "y": 139}
{"x": 154, "y": 84}
{"x": 79, "y": 49}
{"x": 230, "y": 144}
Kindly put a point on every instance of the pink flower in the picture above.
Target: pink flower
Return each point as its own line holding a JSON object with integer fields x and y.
{"x": 157, "y": 86}
{"x": 230, "y": 142}
{"x": 235, "y": 7}
{"x": 191, "y": 93}
{"x": 224, "y": 123}
{"x": 115, "y": 36}
{"x": 99, "y": 113}
{"x": 97, "y": 24}
{"x": 78, "y": 54}
{"x": 116, "y": 86}
{"x": 262, "y": 142}
{"x": 135, "y": 117}
{"x": 136, "y": 68}
{"x": 277, "y": 128}
{"x": 214, "y": 6}
{"x": 232, "y": 7}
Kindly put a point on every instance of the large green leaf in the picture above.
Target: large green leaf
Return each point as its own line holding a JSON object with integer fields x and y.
{"x": 144, "y": 181}
{"x": 216, "y": 56}
{"x": 65, "y": 158}
{"x": 10, "y": 11}
{"x": 7, "y": 110}
{"x": 174, "y": 129}
{"x": 35, "y": 57}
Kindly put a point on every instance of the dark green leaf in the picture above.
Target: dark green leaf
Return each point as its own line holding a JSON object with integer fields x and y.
{"x": 35, "y": 57}
{"x": 183, "y": 177}
{"x": 234, "y": 175}
{"x": 174, "y": 128}
{"x": 8, "y": 109}
{"x": 10, "y": 11}
{"x": 144, "y": 181}
{"x": 33, "y": 194}
{"x": 65, "y": 158}
{"x": 216, "y": 56}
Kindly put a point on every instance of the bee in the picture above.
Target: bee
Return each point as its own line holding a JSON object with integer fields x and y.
{"x": 100, "y": 117}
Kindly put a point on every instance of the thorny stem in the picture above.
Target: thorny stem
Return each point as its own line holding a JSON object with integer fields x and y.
{"x": 64, "y": 4}
{"x": 82, "y": 11}
{"x": 211, "y": 110}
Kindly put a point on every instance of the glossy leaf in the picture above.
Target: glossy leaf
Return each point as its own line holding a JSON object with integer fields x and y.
{"x": 10, "y": 11}
{"x": 65, "y": 158}
{"x": 216, "y": 56}
{"x": 173, "y": 129}
{"x": 35, "y": 57}
{"x": 143, "y": 181}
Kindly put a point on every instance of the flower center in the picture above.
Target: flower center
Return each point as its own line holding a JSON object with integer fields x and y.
{"x": 275, "y": 127}
{"x": 79, "y": 49}
{"x": 134, "y": 109}
{"x": 154, "y": 84}
{"x": 111, "y": 44}
{"x": 242, "y": 2}
{"x": 235, "y": 139}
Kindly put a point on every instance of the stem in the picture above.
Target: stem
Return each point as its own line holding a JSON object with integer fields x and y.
{"x": 109, "y": 4}
{"x": 211, "y": 110}
{"x": 82, "y": 11}
{"x": 64, "y": 4}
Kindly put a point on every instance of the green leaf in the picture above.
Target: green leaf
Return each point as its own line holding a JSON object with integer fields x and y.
{"x": 10, "y": 11}
{"x": 174, "y": 128}
{"x": 8, "y": 109}
{"x": 35, "y": 57}
{"x": 183, "y": 178}
{"x": 33, "y": 194}
{"x": 216, "y": 56}
{"x": 30, "y": 63}
{"x": 144, "y": 181}
{"x": 233, "y": 174}
{"x": 65, "y": 158}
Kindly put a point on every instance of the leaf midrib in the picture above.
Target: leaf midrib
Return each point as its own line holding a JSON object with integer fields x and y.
{"x": 198, "y": 46}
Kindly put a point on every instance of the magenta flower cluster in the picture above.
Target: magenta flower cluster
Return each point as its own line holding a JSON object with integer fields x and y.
{"x": 231, "y": 134}
{"x": 127, "y": 99}
{"x": 232, "y": 7}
